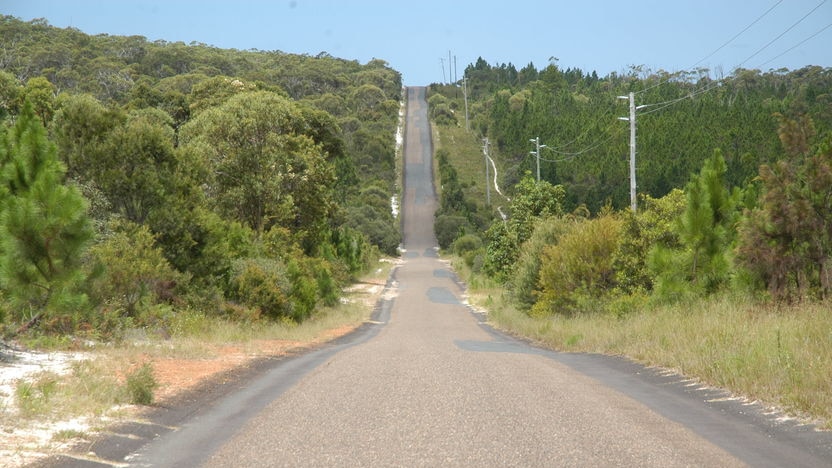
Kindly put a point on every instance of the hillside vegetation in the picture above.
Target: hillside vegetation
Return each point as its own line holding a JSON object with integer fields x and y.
{"x": 724, "y": 272}
{"x": 142, "y": 182}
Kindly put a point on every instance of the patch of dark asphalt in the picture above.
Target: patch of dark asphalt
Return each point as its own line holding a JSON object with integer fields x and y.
{"x": 249, "y": 388}
{"x": 753, "y": 433}
{"x": 440, "y": 295}
{"x": 443, "y": 273}
{"x": 759, "y": 436}
{"x": 431, "y": 253}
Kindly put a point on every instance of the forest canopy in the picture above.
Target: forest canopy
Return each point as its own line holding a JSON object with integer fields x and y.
{"x": 732, "y": 181}
{"x": 168, "y": 177}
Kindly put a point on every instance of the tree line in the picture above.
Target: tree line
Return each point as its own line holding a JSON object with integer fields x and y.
{"x": 140, "y": 180}
{"x": 733, "y": 173}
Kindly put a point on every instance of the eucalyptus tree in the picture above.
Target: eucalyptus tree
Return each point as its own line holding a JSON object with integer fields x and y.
{"x": 264, "y": 170}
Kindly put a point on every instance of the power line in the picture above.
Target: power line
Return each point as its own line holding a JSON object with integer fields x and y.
{"x": 782, "y": 34}
{"x": 795, "y": 46}
{"x": 571, "y": 156}
{"x": 718, "y": 48}
{"x": 738, "y": 34}
{"x": 663, "y": 105}
{"x": 673, "y": 101}
{"x": 717, "y": 84}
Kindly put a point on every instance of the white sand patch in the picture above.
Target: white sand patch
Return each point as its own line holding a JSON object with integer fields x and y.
{"x": 23, "y": 443}
{"x": 17, "y": 366}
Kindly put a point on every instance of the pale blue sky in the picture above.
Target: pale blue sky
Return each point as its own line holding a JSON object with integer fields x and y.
{"x": 413, "y": 36}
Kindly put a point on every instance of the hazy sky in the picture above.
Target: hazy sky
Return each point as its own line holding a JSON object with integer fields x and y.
{"x": 415, "y": 37}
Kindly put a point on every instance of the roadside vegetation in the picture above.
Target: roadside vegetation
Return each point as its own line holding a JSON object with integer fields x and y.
{"x": 163, "y": 201}
{"x": 147, "y": 182}
{"x": 723, "y": 273}
{"x": 106, "y": 383}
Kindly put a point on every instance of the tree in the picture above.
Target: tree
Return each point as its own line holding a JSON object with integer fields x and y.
{"x": 41, "y": 94}
{"x": 136, "y": 167}
{"x": 263, "y": 171}
{"x": 44, "y": 226}
{"x": 532, "y": 201}
{"x": 80, "y": 126}
{"x": 10, "y": 91}
{"x": 787, "y": 241}
{"x": 706, "y": 233}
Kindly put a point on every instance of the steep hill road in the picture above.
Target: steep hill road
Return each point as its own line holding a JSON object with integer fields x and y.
{"x": 427, "y": 384}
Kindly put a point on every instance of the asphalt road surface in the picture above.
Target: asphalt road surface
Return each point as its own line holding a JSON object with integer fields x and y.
{"x": 427, "y": 384}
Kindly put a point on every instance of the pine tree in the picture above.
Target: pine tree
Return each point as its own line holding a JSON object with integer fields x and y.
{"x": 706, "y": 231}
{"x": 786, "y": 242}
{"x": 43, "y": 224}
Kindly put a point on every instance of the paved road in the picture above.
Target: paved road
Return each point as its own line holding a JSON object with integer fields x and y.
{"x": 429, "y": 385}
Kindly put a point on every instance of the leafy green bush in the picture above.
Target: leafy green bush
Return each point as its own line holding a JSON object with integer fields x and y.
{"x": 466, "y": 243}
{"x": 652, "y": 226}
{"x": 140, "y": 384}
{"x": 532, "y": 201}
{"x": 448, "y": 227}
{"x": 135, "y": 271}
{"x": 375, "y": 223}
{"x": 304, "y": 290}
{"x": 353, "y": 249}
{"x": 577, "y": 272}
{"x": 523, "y": 283}
{"x": 262, "y": 283}
{"x": 470, "y": 248}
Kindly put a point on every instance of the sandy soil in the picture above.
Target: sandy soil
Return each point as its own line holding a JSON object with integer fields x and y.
{"x": 22, "y": 444}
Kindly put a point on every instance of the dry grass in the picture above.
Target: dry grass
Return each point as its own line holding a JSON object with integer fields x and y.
{"x": 95, "y": 391}
{"x": 779, "y": 355}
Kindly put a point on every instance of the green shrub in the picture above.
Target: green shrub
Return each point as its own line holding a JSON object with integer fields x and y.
{"x": 466, "y": 243}
{"x": 578, "y": 271}
{"x": 304, "y": 290}
{"x": 141, "y": 384}
{"x": 376, "y": 224}
{"x": 135, "y": 271}
{"x": 652, "y": 226}
{"x": 532, "y": 201}
{"x": 262, "y": 283}
{"x": 353, "y": 249}
{"x": 523, "y": 284}
{"x": 449, "y": 227}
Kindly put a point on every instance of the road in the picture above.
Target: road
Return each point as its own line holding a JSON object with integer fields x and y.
{"x": 427, "y": 384}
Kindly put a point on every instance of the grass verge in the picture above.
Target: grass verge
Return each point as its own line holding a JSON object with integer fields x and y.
{"x": 781, "y": 356}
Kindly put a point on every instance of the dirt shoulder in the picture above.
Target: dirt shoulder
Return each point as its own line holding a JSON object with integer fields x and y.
{"x": 177, "y": 376}
{"x": 185, "y": 384}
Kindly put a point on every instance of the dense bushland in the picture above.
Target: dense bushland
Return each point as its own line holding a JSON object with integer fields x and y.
{"x": 144, "y": 180}
{"x": 722, "y": 273}
{"x": 733, "y": 178}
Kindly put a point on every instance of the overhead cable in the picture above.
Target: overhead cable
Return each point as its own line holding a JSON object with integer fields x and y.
{"x": 718, "y": 48}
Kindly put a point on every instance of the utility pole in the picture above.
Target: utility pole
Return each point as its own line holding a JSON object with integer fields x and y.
{"x": 465, "y": 94}
{"x": 450, "y": 67}
{"x": 536, "y": 153}
{"x": 632, "y": 120}
{"x": 487, "y": 181}
{"x": 442, "y": 61}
